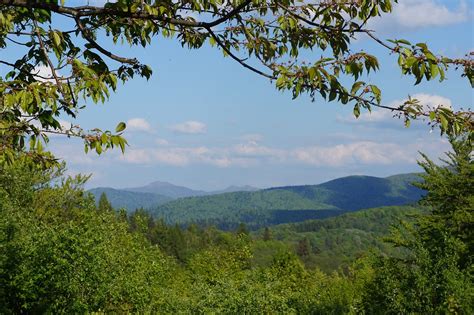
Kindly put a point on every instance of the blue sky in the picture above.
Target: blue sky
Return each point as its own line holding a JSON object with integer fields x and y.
{"x": 205, "y": 122}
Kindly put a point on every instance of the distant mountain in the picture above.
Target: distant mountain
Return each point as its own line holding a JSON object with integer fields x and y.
{"x": 233, "y": 189}
{"x": 155, "y": 194}
{"x": 167, "y": 189}
{"x": 361, "y": 192}
{"x": 128, "y": 199}
{"x": 293, "y": 203}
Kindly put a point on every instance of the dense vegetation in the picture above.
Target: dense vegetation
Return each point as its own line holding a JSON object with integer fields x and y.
{"x": 337, "y": 242}
{"x": 62, "y": 253}
{"x": 291, "y": 204}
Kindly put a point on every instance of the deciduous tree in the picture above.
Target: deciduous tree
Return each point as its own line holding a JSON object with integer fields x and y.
{"x": 62, "y": 61}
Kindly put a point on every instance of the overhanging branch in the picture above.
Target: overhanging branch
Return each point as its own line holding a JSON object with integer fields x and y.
{"x": 87, "y": 36}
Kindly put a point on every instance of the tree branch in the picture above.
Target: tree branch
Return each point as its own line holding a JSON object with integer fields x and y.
{"x": 85, "y": 11}
{"x": 86, "y": 35}
{"x": 25, "y": 72}
{"x": 245, "y": 65}
{"x": 45, "y": 53}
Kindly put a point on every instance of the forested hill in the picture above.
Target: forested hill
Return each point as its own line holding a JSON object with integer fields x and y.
{"x": 129, "y": 200}
{"x": 336, "y": 242}
{"x": 292, "y": 204}
{"x": 155, "y": 194}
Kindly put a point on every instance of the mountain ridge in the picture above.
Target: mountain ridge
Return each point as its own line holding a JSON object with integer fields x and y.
{"x": 291, "y": 203}
{"x": 167, "y": 189}
{"x": 128, "y": 200}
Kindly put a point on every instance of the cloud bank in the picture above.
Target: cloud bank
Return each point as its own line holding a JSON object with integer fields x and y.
{"x": 138, "y": 124}
{"x": 189, "y": 127}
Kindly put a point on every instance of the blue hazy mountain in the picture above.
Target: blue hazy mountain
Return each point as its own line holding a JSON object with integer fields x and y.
{"x": 129, "y": 200}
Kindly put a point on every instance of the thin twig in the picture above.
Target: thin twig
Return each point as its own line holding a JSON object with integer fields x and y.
{"x": 45, "y": 53}
{"x": 245, "y": 65}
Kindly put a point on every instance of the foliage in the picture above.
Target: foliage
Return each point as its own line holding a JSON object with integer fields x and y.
{"x": 61, "y": 254}
{"x": 437, "y": 275}
{"x": 336, "y": 242}
{"x": 270, "y": 38}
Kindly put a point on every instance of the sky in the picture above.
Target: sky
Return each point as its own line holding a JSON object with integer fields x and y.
{"x": 204, "y": 122}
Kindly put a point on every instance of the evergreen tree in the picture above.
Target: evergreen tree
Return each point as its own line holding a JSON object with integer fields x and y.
{"x": 242, "y": 229}
{"x": 267, "y": 234}
{"x": 303, "y": 249}
{"x": 451, "y": 200}
{"x": 104, "y": 204}
{"x": 436, "y": 276}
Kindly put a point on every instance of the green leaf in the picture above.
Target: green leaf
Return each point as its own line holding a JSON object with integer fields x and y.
{"x": 422, "y": 46}
{"x": 431, "y": 57}
{"x": 410, "y": 61}
{"x": 434, "y": 70}
{"x": 120, "y": 127}
{"x": 377, "y": 93}
{"x": 56, "y": 39}
{"x": 356, "y": 86}
{"x": 403, "y": 41}
{"x": 357, "y": 110}
{"x": 444, "y": 122}
{"x": 212, "y": 41}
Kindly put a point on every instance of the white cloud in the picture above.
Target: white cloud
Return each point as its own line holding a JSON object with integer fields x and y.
{"x": 138, "y": 124}
{"x": 189, "y": 127}
{"x": 253, "y": 149}
{"x": 364, "y": 152}
{"x": 412, "y": 14}
{"x": 247, "y": 155}
{"x": 433, "y": 101}
{"x": 179, "y": 156}
{"x": 136, "y": 156}
{"x": 171, "y": 157}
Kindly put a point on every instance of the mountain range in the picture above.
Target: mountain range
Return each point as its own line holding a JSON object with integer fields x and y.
{"x": 292, "y": 203}
{"x": 257, "y": 208}
{"x": 155, "y": 193}
{"x": 130, "y": 200}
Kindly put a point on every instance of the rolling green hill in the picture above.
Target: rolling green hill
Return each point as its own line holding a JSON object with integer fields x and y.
{"x": 336, "y": 242}
{"x": 291, "y": 204}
